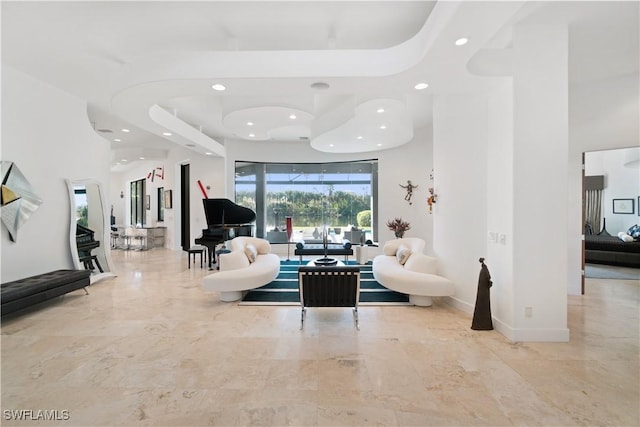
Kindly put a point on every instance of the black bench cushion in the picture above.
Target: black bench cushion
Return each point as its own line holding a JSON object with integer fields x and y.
{"x": 35, "y": 284}
{"x": 32, "y": 290}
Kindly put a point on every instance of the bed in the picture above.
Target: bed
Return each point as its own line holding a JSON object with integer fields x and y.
{"x": 602, "y": 249}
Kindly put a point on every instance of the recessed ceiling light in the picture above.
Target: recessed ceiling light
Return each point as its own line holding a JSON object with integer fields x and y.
{"x": 117, "y": 140}
{"x": 141, "y": 158}
{"x": 462, "y": 41}
{"x": 208, "y": 153}
{"x": 421, "y": 86}
{"x": 383, "y": 127}
{"x": 359, "y": 137}
{"x": 249, "y": 123}
{"x": 166, "y": 133}
{"x": 292, "y": 117}
{"x": 380, "y": 110}
{"x": 379, "y": 145}
{"x": 251, "y": 135}
{"x": 330, "y": 145}
{"x": 125, "y": 130}
{"x": 218, "y": 87}
{"x": 320, "y": 85}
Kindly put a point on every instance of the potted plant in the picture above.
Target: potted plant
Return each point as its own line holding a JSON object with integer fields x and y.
{"x": 398, "y": 226}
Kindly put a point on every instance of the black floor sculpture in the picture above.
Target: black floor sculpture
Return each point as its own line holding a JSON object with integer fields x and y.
{"x": 482, "y": 314}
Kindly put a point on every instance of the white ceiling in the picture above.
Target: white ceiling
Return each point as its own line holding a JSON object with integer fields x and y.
{"x": 149, "y": 66}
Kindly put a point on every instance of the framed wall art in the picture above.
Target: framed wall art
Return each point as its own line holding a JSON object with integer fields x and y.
{"x": 168, "y": 198}
{"x": 623, "y": 206}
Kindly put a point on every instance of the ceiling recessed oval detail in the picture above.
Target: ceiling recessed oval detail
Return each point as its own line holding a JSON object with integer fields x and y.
{"x": 362, "y": 131}
{"x": 268, "y": 123}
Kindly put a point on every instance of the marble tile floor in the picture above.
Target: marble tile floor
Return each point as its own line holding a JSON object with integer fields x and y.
{"x": 152, "y": 348}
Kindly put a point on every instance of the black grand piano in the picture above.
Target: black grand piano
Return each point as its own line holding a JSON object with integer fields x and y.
{"x": 85, "y": 243}
{"x": 225, "y": 220}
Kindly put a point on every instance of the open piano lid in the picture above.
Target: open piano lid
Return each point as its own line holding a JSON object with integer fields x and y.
{"x": 220, "y": 212}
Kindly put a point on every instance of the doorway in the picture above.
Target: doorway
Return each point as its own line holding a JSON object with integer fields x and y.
{"x": 185, "y": 223}
{"x": 610, "y": 206}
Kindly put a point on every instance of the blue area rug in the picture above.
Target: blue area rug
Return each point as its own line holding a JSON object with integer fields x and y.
{"x": 284, "y": 289}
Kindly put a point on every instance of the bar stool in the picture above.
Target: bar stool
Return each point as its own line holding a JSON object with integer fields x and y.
{"x": 193, "y": 250}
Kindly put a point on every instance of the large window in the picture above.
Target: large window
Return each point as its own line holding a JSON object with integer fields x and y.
{"x": 339, "y": 197}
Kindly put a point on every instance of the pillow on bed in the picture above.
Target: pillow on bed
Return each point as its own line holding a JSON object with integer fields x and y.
{"x": 634, "y": 231}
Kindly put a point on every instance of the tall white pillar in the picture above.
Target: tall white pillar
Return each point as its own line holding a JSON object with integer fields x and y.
{"x": 540, "y": 182}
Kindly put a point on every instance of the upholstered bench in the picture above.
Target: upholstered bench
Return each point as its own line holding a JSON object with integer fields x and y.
{"x": 333, "y": 249}
{"x": 32, "y": 290}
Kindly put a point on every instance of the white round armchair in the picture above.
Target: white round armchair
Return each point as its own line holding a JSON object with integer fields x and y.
{"x": 249, "y": 265}
{"x": 403, "y": 267}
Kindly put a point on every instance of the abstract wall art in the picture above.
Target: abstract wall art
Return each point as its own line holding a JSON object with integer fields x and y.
{"x": 18, "y": 199}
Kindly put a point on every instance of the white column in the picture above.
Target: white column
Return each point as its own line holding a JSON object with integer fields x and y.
{"x": 540, "y": 182}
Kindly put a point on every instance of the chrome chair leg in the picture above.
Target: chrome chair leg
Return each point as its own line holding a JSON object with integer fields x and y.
{"x": 355, "y": 317}
{"x": 302, "y": 316}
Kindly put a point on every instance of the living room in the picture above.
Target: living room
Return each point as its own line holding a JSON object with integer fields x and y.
{"x": 493, "y": 194}
{"x": 506, "y": 159}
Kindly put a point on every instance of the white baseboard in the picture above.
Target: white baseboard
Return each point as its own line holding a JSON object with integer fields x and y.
{"x": 515, "y": 334}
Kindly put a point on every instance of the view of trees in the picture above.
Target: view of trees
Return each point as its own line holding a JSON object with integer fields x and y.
{"x": 311, "y": 209}
{"x": 82, "y": 214}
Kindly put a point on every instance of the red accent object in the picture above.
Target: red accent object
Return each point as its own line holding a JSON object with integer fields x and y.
{"x": 289, "y": 223}
{"x": 204, "y": 192}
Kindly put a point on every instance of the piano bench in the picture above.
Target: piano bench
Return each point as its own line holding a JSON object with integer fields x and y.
{"x": 192, "y": 251}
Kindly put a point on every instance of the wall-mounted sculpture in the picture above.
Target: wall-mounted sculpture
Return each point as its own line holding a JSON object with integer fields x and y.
{"x": 18, "y": 201}
{"x": 409, "y": 187}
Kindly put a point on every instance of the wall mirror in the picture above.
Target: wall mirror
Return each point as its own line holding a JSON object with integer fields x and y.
{"x": 89, "y": 231}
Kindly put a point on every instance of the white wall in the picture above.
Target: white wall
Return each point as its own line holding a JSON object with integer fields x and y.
{"x": 460, "y": 169}
{"x": 47, "y": 134}
{"x": 605, "y": 114}
{"x": 621, "y": 182}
